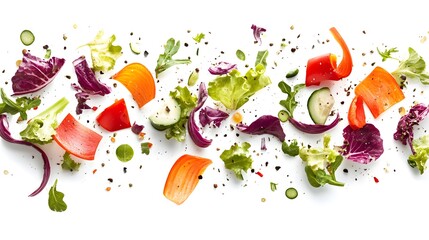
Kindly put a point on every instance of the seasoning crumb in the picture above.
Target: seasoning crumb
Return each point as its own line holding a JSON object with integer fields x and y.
{"x": 5, "y": 172}
{"x": 108, "y": 189}
{"x": 263, "y": 199}
{"x": 345, "y": 170}
{"x": 215, "y": 185}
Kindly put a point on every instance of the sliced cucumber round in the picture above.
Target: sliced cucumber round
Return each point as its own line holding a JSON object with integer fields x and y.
{"x": 167, "y": 115}
{"x": 320, "y": 104}
{"x": 135, "y": 48}
{"x": 27, "y": 37}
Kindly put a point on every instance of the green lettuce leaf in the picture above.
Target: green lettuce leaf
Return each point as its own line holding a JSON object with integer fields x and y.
{"x": 103, "y": 53}
{"x": 237, "y": 159}
{"x": 69, "y": 164}
{"x": 234, "y": 90}
{"x": 419, "y": 159}
{"x": 321, "y": 164}
{"x": 413, "y": 67}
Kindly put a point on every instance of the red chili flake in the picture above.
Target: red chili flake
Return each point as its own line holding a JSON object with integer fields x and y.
{"x": 35, "y": 108}
{"x": 259, "y": 174}
{"x": 94, "y": 171}
{"x": 376, "y": 180}
{"x": 94, "y": 108}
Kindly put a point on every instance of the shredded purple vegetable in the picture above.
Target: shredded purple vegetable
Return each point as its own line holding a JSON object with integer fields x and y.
{"x": 35, "y": 73}
{"x": 221, "y": 68}
{"x": 193, "y": 130}
{"x": 88, "y": 84}
{"x": 404, "y": 130}
{"x": 257, "y": 33}
{"x": 210, "y": 115}
{"x": 265, "y": 124}
{"x": 7, "y": 136}
{"x": 314, "y": 128}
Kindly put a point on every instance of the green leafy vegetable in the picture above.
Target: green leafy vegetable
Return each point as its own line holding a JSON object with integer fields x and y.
{"x": 421, "y": 148}
{"x": 165, "y": 60}
{"x": 321, "y": 164}
{"x": 41, "y": 128}
{"x": 273, "y": 186}
{"x": 69, "y": 164}
{"x": 187, "y": 102}
{"x": 145, "y": 147}
{"x": 261, "y": 58}
{"x": 240, "y": 55}
{"x": 124, "y": 152}
{"x": 413, "y": 67}
{"x": 237, "y": 159}
{"x": 386, "y": 54}
{"x": 290, "y": 103}
{"x": 233, "y": 90}
{"x": 199, "y": 37}
{"x": 291, "y": 149}
{"x": 103, "y": 53}
{"x": 21, "y": 106}
{"x": 55, "y": 200}
{"x": 193, "y": 77}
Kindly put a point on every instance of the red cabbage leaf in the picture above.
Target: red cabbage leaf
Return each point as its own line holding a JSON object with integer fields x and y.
{"x": 362, "y": 145}
{"x": 210, "y": 115}
{"x": 314, "y": 128}
{"x": 35, "y": 73}
{"x": 222, "y": 68}
{"x": 196, "y": 136}
{"x": 257, "y": 33}
{"x": 265, "y": 124}
{"x": 7, "y": 136}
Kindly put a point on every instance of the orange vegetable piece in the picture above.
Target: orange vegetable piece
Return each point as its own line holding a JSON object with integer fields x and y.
{"x": 379, "y": 90}
{"x": 184, "y": 176}
{"x": 139, "y": 81}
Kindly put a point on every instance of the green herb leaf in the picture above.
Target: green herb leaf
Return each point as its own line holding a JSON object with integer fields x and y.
{"x": 55, "y": 200}
{"x": 261, "y": 58}
{"x": 240, "y": 55}
{"x": 273, "y": 186}
{"x": 21, "y": 106}
{"x": 386, "y": 54}
{"x": 290, "y": 103}
{"x": 165, "y": 60}
{"x": 199, "y": 37}
{"x": 413, "y": 67}
{"x": 69, "y": 164}
{"x": 145, "y": 147}
{"x": 103, "y": 53}
{"x": 124, "y": 152}
{"x": 292, "y": 149}
{"x": 237, "y": 159}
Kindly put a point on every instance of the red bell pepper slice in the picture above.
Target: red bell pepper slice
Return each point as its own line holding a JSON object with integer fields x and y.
{"x": 379, "y": 90}
{"x": 325, "y": 67}
{"x": 76, "y": 138}
{"x": 115, "y": 117}
{"x": 356, "y": 115}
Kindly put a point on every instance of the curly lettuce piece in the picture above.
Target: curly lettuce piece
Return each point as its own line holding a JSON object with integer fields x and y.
{"x": 321, "y": 164}
{"x": 413, "y": 67}
{"x": 234, "y": 90}
{"x": 35, "y": 73}
{"x": 41, "y": 128}
{"x": 103, "y": 53}
{"x": 291, "y": 149}
{"x": 237, "y": 159}
{"x": 419, "y": 158}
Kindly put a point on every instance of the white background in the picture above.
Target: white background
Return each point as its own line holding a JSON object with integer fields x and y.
{"x": 394, "y": 207}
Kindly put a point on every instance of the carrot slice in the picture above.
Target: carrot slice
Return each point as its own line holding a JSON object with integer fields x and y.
{"x": 184, "y": 177}
{"x": 139, "y": 81}
{"x": 76, "y": 138}
{"x": 356, "y": 115}
{"x": 379, "y": 90}
{"x": 324, "y": 67}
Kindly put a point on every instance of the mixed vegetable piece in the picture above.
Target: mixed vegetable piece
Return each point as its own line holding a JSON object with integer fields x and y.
{"x": 185, "y": 112}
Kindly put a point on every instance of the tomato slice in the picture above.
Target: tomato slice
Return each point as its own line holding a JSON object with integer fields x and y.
{"x": 115, "y": 117}
{"x": 379, "y": 90}
{"x": 324, "y": 67}
{"x": 356, "y": 115}
{"x": 76, "y": 138}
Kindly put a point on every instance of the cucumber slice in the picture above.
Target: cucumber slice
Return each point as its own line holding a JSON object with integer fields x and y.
{"x": 27, "y": 37}
{"x": 320, "y": 104}
{"x": 291, "y": 193}
{"x": 167, "y": 115}
{"x": 135, "y": 48}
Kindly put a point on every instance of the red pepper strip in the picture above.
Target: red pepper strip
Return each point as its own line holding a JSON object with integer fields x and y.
{"x": 379, "y": 90}
{"x": 324, "y": 67}
{"x": 76, "y": 138}
{"x": 115, "y": 117}
{"x": 356, "y": 115}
